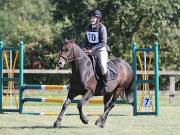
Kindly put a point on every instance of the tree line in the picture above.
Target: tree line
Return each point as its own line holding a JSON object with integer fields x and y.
{"x": 43, "y": 25}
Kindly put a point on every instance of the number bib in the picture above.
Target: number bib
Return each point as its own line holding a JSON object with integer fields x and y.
{"x": 93, "y": 37}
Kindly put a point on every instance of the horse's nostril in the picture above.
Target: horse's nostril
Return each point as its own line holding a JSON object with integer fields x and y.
{"x": 60, "y": 63}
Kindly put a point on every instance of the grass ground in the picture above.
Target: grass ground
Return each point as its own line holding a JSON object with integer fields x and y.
{"x": 121, "y": 123}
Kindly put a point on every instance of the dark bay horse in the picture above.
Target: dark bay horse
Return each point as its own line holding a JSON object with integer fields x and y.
{"x": 83, "y": 82}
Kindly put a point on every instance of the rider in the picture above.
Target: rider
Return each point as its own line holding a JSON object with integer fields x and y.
{"x": 96, "y": 40}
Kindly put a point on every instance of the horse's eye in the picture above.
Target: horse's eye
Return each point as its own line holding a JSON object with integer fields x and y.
{"x": 67, "y": 50}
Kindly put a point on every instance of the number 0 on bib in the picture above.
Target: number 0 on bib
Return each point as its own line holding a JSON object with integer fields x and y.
{"x": 93, "y": 37}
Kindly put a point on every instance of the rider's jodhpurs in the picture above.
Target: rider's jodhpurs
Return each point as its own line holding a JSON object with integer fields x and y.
{"x": 102, "y": 55}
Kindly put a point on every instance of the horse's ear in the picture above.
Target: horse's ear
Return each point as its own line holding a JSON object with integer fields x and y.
{"x": 66, "y": 41}
{"x": 72, "y": 40}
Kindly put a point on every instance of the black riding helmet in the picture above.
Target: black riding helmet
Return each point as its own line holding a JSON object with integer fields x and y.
{"x": 95, "y": 13}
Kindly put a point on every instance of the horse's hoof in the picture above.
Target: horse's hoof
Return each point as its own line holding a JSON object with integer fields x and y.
{"x": 84, "y": 120}
{"x": 99, "y": 124}
{"x": 57, "y": 125}
{"x": 102, "y": 124}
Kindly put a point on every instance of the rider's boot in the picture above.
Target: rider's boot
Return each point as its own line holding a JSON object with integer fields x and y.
{"x": 105, "y": 89}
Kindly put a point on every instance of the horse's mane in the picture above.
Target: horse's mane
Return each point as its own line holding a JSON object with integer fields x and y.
{"x": 72, "y": 42}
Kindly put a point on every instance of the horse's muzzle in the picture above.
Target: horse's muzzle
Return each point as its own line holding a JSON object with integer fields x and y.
{"x": 61, "y": 63}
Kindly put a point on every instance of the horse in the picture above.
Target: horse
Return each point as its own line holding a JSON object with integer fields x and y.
{"x": 84, "y": 82}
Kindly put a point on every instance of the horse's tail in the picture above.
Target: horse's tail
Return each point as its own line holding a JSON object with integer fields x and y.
{"x": 129, "y": 92}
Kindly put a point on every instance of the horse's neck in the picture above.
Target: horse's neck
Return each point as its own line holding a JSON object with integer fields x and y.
{"x": 81, "y": 63}
{"x": 78, "y": 52}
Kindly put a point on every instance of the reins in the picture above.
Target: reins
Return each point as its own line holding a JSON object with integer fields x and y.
{"x": 70, "y": 60}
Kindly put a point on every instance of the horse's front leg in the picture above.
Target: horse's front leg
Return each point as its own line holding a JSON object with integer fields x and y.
{"x": 83, "y": 101}
{"x": 69, "y": 98}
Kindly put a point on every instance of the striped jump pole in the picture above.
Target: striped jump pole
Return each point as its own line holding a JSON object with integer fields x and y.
{"x": 41, "y": 87}
{"x": 57, "y": 113}
{"x": 67, "y": 114}
{"x": 45, "y": 87}
{"x": 51, "y": 100}
{"x": 60, "y": 100}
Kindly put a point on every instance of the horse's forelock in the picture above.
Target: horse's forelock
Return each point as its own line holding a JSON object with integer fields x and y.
{"x": 67, "y": 41}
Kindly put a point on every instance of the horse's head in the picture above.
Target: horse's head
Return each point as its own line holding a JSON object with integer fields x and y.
{"x": 66, "y": 53}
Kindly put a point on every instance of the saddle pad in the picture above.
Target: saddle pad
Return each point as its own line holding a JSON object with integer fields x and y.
{"x": 112, "y": 66}
{"x": 112, "y": 70}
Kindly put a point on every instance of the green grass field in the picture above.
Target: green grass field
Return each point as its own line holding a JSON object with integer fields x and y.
{"x": 121, "y": 121}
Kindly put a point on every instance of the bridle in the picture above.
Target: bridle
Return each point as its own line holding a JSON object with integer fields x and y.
{"x": 70, "y": 60}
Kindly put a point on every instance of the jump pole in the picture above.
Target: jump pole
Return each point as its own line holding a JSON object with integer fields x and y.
{"x": 46, "y": 87}
{"x": 60, "y": 100}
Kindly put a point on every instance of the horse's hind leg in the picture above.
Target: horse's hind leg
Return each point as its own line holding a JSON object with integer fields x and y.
{"x": 102, "y": 119}
{"x": 107, "y": 99}
{"x": 83, "y": 101}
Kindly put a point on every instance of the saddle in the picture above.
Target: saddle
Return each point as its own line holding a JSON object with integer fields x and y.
{"x": 111, "y": 65}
